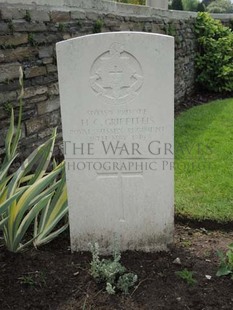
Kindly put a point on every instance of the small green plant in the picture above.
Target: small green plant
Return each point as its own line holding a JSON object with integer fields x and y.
{"x": 186, "y": 243}
{"x": 7, "y": 106}
{"x": 31, "y": 39}
{"x": 27, "y": 280}
{"x": 231, "y": 23}
{"x": 111, "y": 272}
{"x": 187, "y": 276}
{"x": 79, "y": 23}
{"x": 226, "y": 262}
{"x": 98, "y": 26}
{"x": 126, "y": 281}
{"x": 170, "y": 29}
{"x": 11, "y": 26}
{"x": 27, "y": 17}
{"x": 214, "y": 61}
{"x": 61, "y": 27}
{"x": 33, "y": 279}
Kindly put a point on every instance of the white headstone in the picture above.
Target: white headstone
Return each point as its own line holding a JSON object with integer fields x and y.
{"x": 158, "y": 4}
{"x": 117, "y": 105}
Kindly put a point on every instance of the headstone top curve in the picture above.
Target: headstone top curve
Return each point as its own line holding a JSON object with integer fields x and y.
{"x": 110, "y": 34}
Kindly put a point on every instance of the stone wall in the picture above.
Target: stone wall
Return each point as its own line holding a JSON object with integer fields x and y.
{"x": 28, "y": 34}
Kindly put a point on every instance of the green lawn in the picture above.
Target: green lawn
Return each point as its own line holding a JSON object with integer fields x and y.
{"x": 204, "y": 162}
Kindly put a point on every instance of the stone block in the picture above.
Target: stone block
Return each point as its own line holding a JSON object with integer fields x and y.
{"x": 35, "y": 125}
{"x": 45, "y": 80}
{"x": 3, "y": 114}
{"x": 35, "y": 71}
{"x": 9, "y": 71}
{"x": 157, "y": 28}
{"x": 14, "y": 39}
{"x": 43, "y": 38}
{"x": 92, "y": 15}
{"x": 124, "y": 27}
{"x": 29, "y": 112}
{"x": 12, "y": 13}
{"x": 39, "y": 15}
{"x": 24, "y": 26}
{"x": 18, "y": 54}
{"x": 8, "y": 96}
{"x": 35, "y": 91}
{"x": 47, "y": 61}
{"x": 53, "y": 90}
{"x": 78, "y": 15}
{"x": 59, "y": 16}
{"x": 4, "y": 28}
{"x": 112, "y": 23}
{"x": 66, "y": 36}
{"x": 45, "y": 133}
{"x": 51, "y": 68}
{"x": 46, "y": 52}
{"x": 48, "y": 106}
{"x": 38, "y": 98}
{"x": 53, "y": 119}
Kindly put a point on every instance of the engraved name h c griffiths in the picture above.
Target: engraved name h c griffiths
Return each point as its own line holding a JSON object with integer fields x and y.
{"x": 116, "y": 75}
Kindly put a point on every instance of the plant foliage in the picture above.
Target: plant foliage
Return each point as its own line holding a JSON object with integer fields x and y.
{"x": 177, "y": 5}
{"x": 11, "y": 142}
{"x": 214, "y": 61}
{"x": 31, "y": 192}
{"x": 54, "y": 211}
{"x": 226, "y": 262}
{"x": 220, "y": 6}
{"x": 187, "y": 276}
{"x": 201, "y": 7}
{"x": 190, "y": 5}
{"x": 111, "y": 272}
{"x": 27, "y": 194}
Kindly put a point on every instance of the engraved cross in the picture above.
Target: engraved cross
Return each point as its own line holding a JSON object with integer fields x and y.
{"x": 116, "y": 77}
{"x": 123, "y": 179}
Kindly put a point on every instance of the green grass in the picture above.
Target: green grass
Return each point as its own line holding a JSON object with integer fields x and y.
{"x": 204, "y": 162}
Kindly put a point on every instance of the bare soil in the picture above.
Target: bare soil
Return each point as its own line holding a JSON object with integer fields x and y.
{"x": 53, "y": 278}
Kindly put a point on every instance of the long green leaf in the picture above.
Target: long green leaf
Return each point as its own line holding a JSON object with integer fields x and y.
{"x": 61, "y": 204}
{"x": 45, "y": 192}
{"x": 52, "y": 214}
{"x": 45, "y": 158}
{"x": 3, "y": 222}
{"x": 41, "y": 241}
{"x": 9, "y": 136}
{"x": 18, "y": 129}
{"x": 5, "y": 167}
{"x": 4, "y": 206}
{"x": 51, "y": 226}
{"x": 22, "y": 205}
{"x": 28, "y": 164}
{"x": 3, "y": 189}
{"x": 45, "y": 215}
{"x": 27, "y": 220}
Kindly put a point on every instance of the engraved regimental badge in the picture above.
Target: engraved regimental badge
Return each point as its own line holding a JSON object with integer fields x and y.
{"x": 116, "y": 75}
